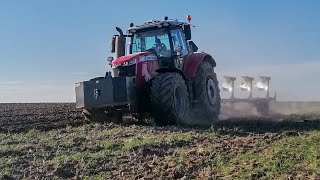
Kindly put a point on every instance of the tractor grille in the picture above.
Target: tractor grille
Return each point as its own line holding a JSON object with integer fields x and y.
{"x": 128, "y": 71}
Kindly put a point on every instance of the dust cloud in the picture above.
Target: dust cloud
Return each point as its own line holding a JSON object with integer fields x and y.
{"x": 243, "y": 109}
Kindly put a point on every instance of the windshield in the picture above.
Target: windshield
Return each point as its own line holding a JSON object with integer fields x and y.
{"x": 155, "y": 41}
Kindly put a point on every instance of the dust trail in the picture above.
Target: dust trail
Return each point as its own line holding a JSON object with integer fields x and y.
{"x": 244, "y": 110}
{"x": 276, "y": 109}
{"x": 295, "y": 107}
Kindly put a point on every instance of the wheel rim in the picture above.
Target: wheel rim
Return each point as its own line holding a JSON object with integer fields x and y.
{"x": 179, "y": 101}
{"x": 211, "y": 91}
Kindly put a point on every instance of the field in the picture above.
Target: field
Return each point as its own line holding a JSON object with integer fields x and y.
{"x": 53, "y": 141}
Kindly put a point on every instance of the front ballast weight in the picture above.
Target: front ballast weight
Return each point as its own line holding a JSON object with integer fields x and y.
{"x": 104, "y": 92}
{"x": 261, "y": 104}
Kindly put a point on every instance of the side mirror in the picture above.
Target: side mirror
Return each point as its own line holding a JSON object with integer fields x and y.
{"x": 187, "y": 31}
{"x": 192, "y": 46}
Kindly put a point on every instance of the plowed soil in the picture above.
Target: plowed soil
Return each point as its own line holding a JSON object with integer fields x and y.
{"x": 46, "y": 116}
{"x": 53, "y": 141}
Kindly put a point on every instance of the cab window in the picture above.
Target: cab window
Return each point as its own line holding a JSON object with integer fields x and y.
{"x": 157, "y": 40}
{"x": 178, "y": 40}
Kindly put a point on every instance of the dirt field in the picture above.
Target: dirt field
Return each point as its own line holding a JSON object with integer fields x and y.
{"x": 52, "y": 141}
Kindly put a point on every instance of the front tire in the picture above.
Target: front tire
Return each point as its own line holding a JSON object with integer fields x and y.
{"x": 169, "y": 99}
{"x": 208, "y": 100}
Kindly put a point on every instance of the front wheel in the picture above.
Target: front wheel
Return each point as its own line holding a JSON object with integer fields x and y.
{"x": 169, "y": 99}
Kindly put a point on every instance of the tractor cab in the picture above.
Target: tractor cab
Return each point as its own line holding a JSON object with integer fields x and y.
{"x": 169, "y": 40}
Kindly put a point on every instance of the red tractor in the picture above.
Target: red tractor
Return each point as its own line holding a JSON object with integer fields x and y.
{"x": 158, "y": 72}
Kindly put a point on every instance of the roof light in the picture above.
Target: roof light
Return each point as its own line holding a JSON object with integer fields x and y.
{"x": 166, "y": 18}
{"x": 189, "y": 18}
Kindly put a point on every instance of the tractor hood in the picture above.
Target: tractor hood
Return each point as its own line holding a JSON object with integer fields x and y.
{"x": 134, "y": 58}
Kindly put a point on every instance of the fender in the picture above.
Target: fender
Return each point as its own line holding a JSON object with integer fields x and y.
{"x": 193, "y": 61}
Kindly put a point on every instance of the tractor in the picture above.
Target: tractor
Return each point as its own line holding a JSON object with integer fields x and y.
{"x": 157, "y": 70}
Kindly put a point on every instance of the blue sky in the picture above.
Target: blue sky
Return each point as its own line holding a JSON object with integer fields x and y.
{"x": 47, "y": 46}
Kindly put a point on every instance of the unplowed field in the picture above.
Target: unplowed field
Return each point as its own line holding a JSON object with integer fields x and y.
{"x": 53, "y": 141}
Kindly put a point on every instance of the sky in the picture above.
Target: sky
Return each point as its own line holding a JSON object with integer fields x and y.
{"x": 47, "y": 46}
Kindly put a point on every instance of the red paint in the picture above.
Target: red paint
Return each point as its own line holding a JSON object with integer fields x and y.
{"x": 129, "y": 57}
{"x": 189, "y": 18}
{"x": 151, "y": 66}
{"x": 192, "y": 63}
{"x": 151, "y": 69}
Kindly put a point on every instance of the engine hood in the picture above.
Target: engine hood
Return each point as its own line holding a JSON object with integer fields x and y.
{"x": 133, "y": 58}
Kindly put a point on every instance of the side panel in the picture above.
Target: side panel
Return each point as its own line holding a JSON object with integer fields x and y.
{"x": 193, "y": 61}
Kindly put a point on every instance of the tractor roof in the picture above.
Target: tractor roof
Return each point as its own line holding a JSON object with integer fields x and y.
{"x": 154, "y": 24}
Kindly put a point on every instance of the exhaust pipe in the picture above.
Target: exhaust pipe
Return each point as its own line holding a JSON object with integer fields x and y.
{"x": 120, "y": 44}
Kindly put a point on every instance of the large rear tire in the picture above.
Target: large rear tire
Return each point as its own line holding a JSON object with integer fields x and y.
{"x": 169, "y": 99}
{"x": 208, "y": 100}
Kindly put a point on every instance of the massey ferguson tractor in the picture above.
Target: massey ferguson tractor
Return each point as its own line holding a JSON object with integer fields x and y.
{"x": 158, "y": 71}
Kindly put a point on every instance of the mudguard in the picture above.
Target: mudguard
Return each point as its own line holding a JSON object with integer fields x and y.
{"x": 193, "y": 61}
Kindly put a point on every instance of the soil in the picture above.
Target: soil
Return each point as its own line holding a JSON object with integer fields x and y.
{"x": 42, "y": 116}
{"x": 65, "y": 146}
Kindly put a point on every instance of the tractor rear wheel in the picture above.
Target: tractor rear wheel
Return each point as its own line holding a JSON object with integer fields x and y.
{"x": 102, "y": 115}
{"x": 169, "y": 98}
{"x": 207, "y": 94}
